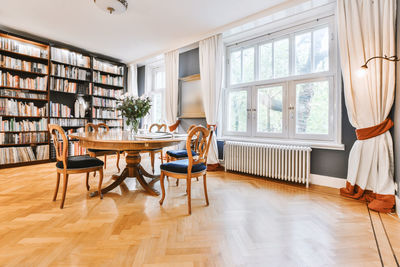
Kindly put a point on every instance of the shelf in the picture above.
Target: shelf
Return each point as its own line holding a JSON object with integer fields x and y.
{"x": 82, "y": 126}
{"x": 110, "y": 73}
{"x": 108, "y": 85}
{"x": 25, "y": 163}
{"x": 66, "y": 64}
{"x": 24, "y": 98}
{"x": 86, "y": 118}
{"x": 24, "y": 55}
{"x": 24, "y": 144}
{"x": 24, "y": 71}
{"x": 70, "y": 79}
{"x": 105, "y": 119}
{"x": 103, "y": 107}
{"x": 25, "y": 89}
{"x": 109, "y": 97}
{"x": 23, "y": 131}
{"x": 68, "y": 93}
{"x": 18, "y": 116}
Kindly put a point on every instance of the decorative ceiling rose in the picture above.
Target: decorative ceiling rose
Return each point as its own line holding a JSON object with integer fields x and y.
{"x": 112, "y": 6}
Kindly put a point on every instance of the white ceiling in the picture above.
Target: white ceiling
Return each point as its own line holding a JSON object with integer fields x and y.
{"x": 148, "y": 27}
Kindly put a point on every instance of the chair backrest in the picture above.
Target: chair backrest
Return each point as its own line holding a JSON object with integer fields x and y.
{"x": 91, "y": 127}
{"x": 103, "y": 125}
{"x": 61, "y": 147}
{"x": 160, "y": 127}
{"x": 202, "y": 139}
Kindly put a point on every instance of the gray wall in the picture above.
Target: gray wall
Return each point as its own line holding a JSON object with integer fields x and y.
{"x": 141, "y": 76}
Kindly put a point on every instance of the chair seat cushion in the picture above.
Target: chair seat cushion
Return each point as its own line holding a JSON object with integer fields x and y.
{"x": 179, "y": 154}
{"x": 80, "y": 162}
{"x": 181, "y": 166}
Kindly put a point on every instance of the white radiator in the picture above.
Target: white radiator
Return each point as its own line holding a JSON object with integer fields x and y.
{"x": 283, "y": 162}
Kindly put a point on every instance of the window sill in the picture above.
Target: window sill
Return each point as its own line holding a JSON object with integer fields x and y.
{"x": 313, "y": 144}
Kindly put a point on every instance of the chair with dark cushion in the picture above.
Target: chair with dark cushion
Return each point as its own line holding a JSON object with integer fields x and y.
{"x": 193, "y": 166}
{"x": 101, "y": 152}
{"x": 71, "y": 165}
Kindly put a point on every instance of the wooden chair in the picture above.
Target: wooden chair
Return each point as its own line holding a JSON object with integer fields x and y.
{"x": 71, "y": 165}
{"x": 160, "y": 128}
{"x": 101, "y": 152}
{"x": 193, "y": 166}
{"x": 178, "y": 154}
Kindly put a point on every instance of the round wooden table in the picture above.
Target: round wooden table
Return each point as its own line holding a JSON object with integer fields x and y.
{"x": 133, "y": 146}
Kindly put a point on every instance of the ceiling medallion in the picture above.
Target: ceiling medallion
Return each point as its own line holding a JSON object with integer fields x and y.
{"x": 112, "y": 6}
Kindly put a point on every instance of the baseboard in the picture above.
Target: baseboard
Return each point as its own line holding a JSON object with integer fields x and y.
{"x": 327, "y": 181}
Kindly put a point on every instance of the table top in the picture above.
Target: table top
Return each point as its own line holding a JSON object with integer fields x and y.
{"x": 126, "y": 140}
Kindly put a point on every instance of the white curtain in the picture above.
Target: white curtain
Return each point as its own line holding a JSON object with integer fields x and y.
{"x": 210, "y": 57}
{"x": 171, "y": 86}
{"x": 132, "y": 82}
{"x": 366, "y": 28}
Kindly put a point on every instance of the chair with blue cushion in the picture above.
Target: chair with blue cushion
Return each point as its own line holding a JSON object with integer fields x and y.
{"x": 192, "y": 167}
{"x": 71, "y": 165}
{"x": 101, "y": 152}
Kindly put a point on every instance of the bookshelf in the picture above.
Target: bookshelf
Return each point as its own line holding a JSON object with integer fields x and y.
{"x": 41, "y": 83}
{"x": 24, "y": 69}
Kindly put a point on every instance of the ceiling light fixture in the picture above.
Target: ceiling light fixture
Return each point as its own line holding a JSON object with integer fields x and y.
{"x": 112, "y": 6}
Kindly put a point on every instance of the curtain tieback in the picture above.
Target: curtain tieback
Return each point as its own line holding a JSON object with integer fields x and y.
{"x": 174, "y": 126}
{"x": 373, "y": 131}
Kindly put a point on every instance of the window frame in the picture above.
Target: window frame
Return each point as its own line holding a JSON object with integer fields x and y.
{"x": 333, "y": 139}
{"x": 153, "y": 91}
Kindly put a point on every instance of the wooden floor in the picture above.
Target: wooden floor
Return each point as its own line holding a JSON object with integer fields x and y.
{"x": 250, "y": 222}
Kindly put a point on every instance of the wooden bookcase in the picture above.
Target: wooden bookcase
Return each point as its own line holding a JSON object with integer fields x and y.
{"x": 71, "y": 76}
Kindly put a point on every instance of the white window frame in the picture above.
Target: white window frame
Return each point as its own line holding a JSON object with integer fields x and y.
{"x": 154, "y": 71}
{"x": 330, "y": 141}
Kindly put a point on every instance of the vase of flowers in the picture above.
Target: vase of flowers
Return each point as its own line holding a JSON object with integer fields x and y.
{"x": 133, "y": 108}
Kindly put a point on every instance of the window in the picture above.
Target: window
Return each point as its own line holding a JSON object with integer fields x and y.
{"x": 283, "y": 86}
{"x": 157, "y": 95}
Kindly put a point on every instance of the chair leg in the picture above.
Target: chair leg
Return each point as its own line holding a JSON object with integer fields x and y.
{"x": 118, "y": 156}
{"x": 177, "y": 182}
{"x": 162, "y": 176}
{"x": 100, "y": 183}
{"x": 205, "y": 188}
{"x": 57, "y": 185}
{"x": 162, "y": 157}
{"x": 152, "y": 160}
{"x": 64, "y": 189}
{"x": 105, "y": 161}
{"x": 197, "y": 179}
{"x": 189, "y": 190}
{"x": 87, "y": 181}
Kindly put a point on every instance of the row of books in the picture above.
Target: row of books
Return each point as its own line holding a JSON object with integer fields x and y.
{"x": 107, "y": 79}
{"x": 18, "y": 64}
{"x": 9, "y": 80}
{"x": 105, "y": 113}
{"x": 68, "y": 57}
{"x": 70, "y": 72}
{"x": 21, "y": 48}
{"x": 22, "y": 126}
{"x": 107, "y": 67}
{"x": 61, "y": 85}
{"x": 104, "y": 102}
{"x": 23, "y": 138}
{"x": 17, "y": 108}
{"x": 9, "y": 155}
{"x": 100, "y": 91}
{"x": 111, "y": 123}
{"x": 71, "y": 122}
{"x": 59, "y": 110}
{"x": 74, "y": 149}
{"x": 22, "y": 94}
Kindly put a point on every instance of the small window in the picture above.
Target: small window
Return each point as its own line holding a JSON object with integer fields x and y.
{"x": 321, "y": 50}
{"x": 281, "y": 58}
{"x": 303, "y": 53}
{"x": 270, "y": 109}
{"x": 236, "y": 67}
{"x": 237, "y": 111}
{"x": 265, "y": 62}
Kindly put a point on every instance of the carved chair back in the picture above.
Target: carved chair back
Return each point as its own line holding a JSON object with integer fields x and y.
{"x": 60, "y": 143}
{"x": 160, "y": 127}
{"x": 202, "y": 140}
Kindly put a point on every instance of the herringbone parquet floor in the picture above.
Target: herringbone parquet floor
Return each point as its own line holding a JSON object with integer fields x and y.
{"x": 250, "y": 222}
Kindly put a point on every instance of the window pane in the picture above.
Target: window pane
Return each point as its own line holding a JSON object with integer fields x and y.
{"x": 312, "y": 108}
{"x": 236, "y": 67}
{"x": 321, "y": 50}
{"x": 265, "y": 61}
{"x": 160, "y": 80}
{"x": 303, "y": 53}
{"x": 281, "y": 58}
{"x": 237, "y": 111}
{"x": 269, "y": 109}
{"x": 157, "y": 107}
{"x": 248, "y": 64}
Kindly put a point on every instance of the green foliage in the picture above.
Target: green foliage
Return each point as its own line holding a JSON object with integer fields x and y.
{"x": 134, "y": 108}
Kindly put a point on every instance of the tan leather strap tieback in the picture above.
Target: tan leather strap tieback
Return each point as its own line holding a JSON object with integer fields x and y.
{"x": 370, "y": 132}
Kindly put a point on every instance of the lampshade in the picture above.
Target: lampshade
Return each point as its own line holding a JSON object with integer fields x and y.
{"x": 112, "y": 6}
